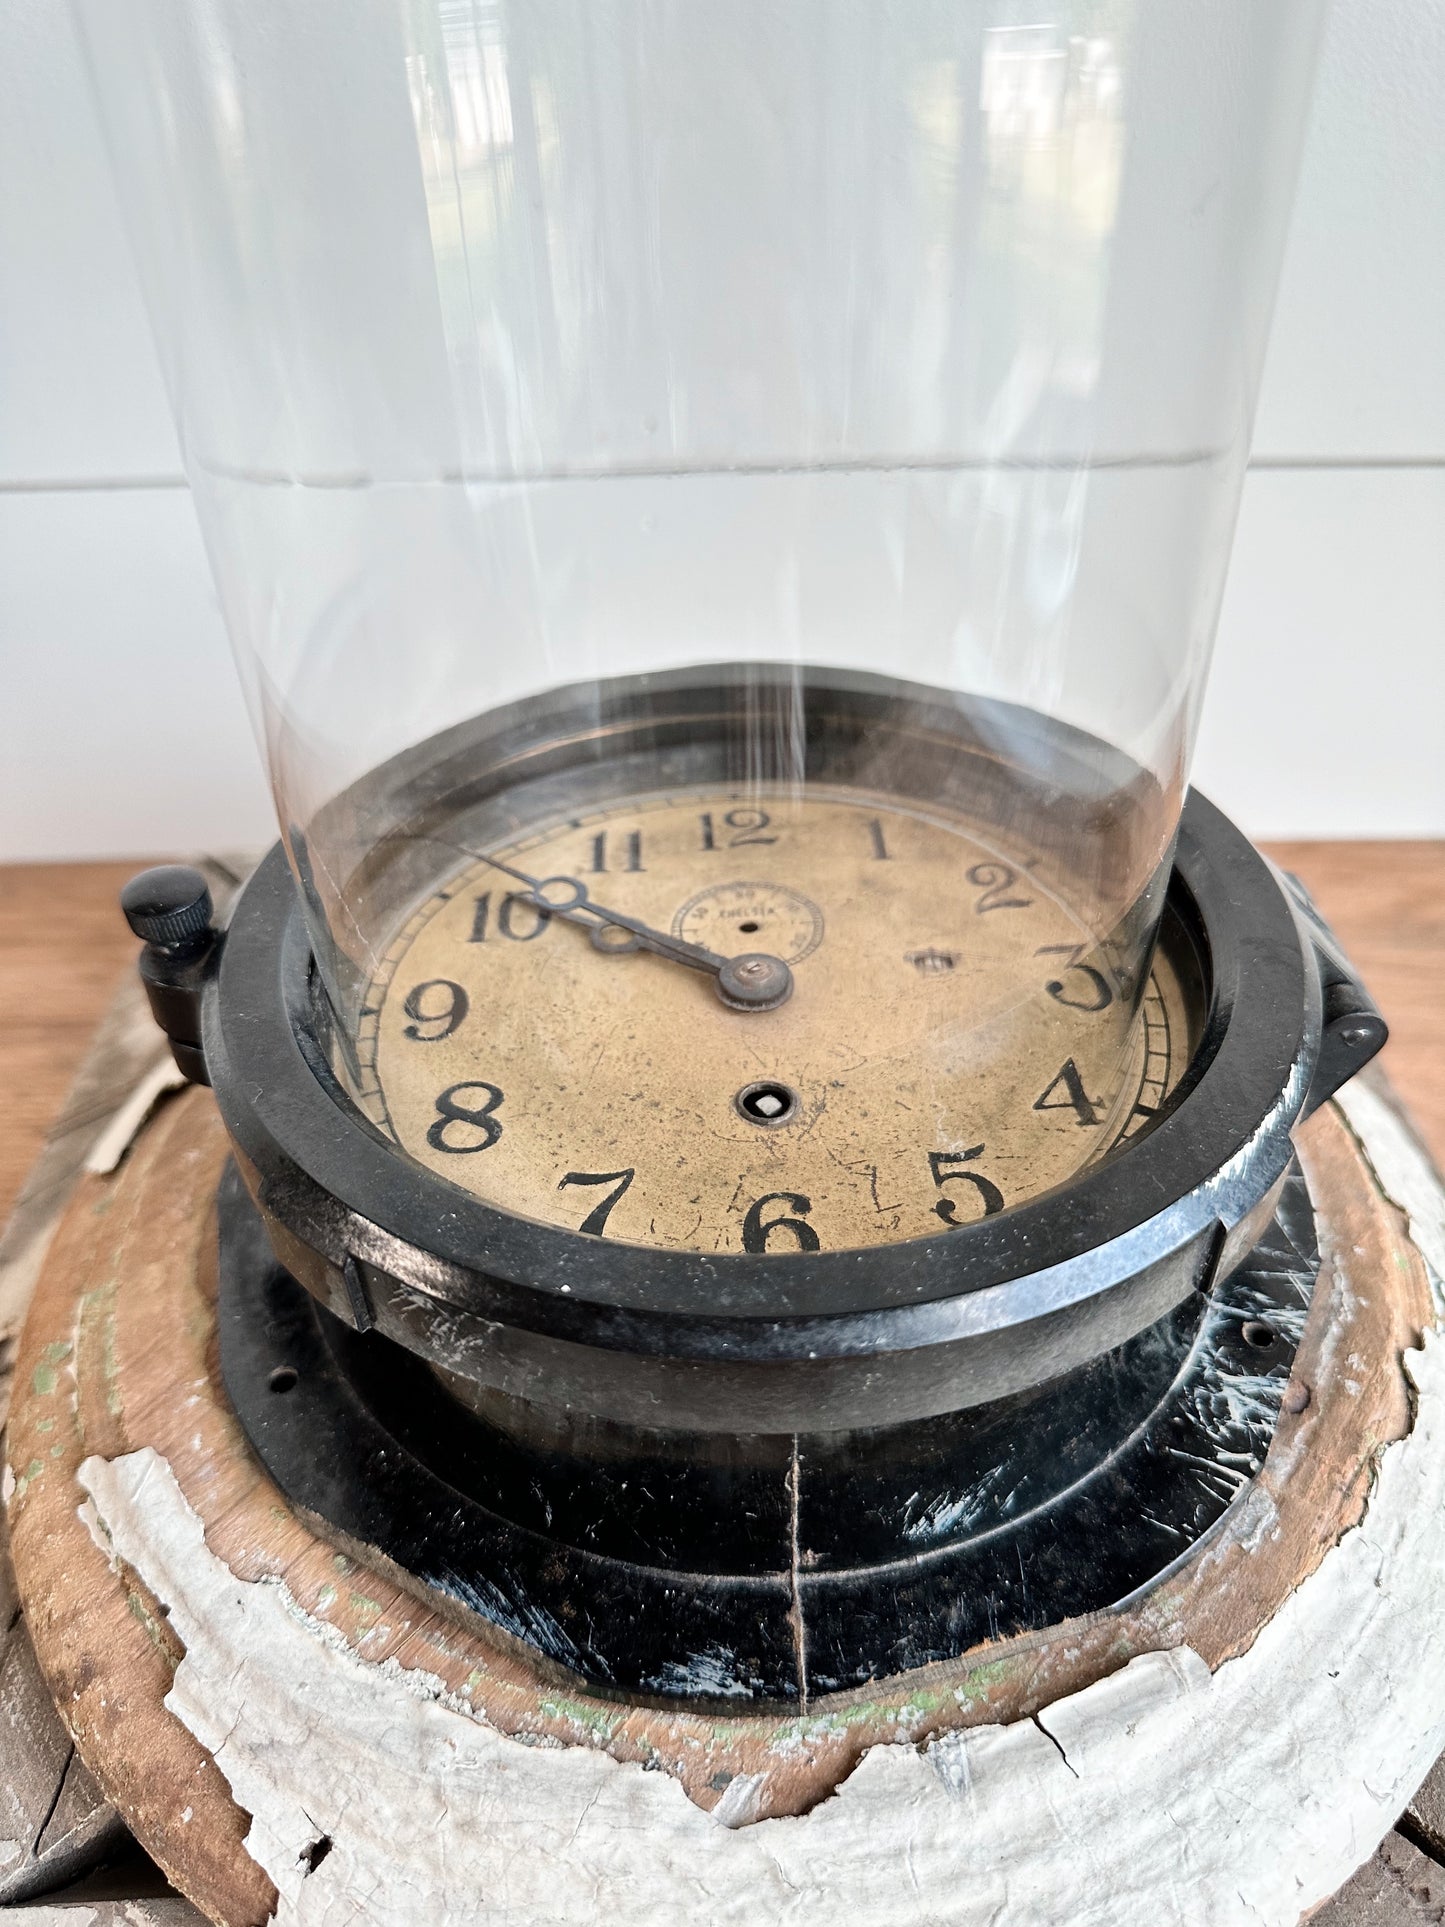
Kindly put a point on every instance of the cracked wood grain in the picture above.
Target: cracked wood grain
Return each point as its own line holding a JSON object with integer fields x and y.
{"x": 1098, "y": 1815}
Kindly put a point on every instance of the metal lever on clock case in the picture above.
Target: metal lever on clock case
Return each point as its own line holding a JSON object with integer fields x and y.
{"x": 1351, "y": 1027}
{"x": 169, "y": 908}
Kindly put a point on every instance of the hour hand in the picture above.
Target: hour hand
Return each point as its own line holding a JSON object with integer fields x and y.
{"x": 754, "y": 981}
{"x": 568, "y": 898}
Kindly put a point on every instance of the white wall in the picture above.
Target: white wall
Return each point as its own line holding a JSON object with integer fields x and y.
{"x": 121, "y": 729}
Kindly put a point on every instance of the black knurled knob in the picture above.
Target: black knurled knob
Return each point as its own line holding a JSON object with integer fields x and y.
{"x": 169, "y": 907}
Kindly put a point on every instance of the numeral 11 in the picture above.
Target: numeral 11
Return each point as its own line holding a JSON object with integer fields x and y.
{"x": 633, "y": 842}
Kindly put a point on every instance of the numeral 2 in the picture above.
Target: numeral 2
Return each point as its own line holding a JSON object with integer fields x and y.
{"x": 988, "y": 1192}
{"x": 996, "y": 880}
{"x": 596, "y": 1220}
{"x": 452, "y": 1113}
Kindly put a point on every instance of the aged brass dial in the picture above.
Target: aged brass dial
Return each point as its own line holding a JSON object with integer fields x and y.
{"x": 956, "y": 1039}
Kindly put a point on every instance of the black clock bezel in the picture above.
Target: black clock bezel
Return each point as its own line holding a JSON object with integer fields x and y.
{"x": 741, "y": 1342}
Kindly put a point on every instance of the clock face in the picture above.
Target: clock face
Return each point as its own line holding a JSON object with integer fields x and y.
{"x": 956, "y": 1038}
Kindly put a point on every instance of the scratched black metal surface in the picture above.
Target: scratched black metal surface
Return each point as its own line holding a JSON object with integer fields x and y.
{"x": 772, "y": 1569}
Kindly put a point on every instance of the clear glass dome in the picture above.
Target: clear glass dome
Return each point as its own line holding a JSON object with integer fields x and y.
{"x": 771, "y": 466}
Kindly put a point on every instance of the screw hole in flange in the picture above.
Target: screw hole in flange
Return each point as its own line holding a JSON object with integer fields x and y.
{"x": 766, "y": 1103}
{"x": 749, "y": 927}
{"x": 1256, "y": 1333}
{"x": 283, "y": 1379}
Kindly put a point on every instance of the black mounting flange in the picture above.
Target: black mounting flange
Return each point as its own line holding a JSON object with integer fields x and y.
{"x": 700, "y": 1567}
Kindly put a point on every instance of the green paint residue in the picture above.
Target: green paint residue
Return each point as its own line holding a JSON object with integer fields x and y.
{"x": 27, "y": 1478}
{"x": 140, "y": 1612}
{"x": 109, "y": 1363}
{"x": 46, "y": 1376}
{"x": 326, "y": 1598}
{"x": 98, "y": 1307}
{"x": 593, "y": 1719}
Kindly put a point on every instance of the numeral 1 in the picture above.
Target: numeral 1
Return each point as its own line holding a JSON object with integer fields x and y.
{"x": 880, "y": 848}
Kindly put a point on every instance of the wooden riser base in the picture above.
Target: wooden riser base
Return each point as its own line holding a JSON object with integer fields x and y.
{"x": 288, "y": 1723}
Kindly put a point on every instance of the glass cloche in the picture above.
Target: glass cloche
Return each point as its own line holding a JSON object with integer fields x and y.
{"x": 721, "y": 513}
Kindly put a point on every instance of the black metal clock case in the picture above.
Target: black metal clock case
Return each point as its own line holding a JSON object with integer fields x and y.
{"x": 712, "y": 1475}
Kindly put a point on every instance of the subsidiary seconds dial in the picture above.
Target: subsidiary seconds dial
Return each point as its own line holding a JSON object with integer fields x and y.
{"x": 951, "y": 1039}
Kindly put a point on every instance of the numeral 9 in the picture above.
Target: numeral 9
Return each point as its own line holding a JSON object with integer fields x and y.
{"x": 454, "y": 1005}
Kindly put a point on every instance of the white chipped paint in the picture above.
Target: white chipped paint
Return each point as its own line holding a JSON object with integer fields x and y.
{"x": 1161, "y": 1797}
{"x": 116, "y": 1139}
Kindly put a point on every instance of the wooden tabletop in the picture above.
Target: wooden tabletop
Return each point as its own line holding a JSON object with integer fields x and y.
{"x": 63, "y": 947}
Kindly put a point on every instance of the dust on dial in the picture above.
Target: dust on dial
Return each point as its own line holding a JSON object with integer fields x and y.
{"x": 956, "y": 1038}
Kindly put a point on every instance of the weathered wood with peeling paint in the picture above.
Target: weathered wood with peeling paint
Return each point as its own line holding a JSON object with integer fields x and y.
{"x": 55, "y": 1825}
{"x": 122, "y": 1397}
{"x": 124, "y": 1051}
{"x": 1425, "y": 1815}
{"x": 106, "y": 1913}
{"x": 1399, "y": 1887}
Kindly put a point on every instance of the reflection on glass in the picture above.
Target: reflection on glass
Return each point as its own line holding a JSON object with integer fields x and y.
{"x": 523, "y": 347}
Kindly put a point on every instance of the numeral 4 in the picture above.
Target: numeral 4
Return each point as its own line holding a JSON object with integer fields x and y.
{"x": 1073, "y": 1098}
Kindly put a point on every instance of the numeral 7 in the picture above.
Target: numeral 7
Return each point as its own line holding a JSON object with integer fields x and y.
{"x": 596, "y": 1219}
